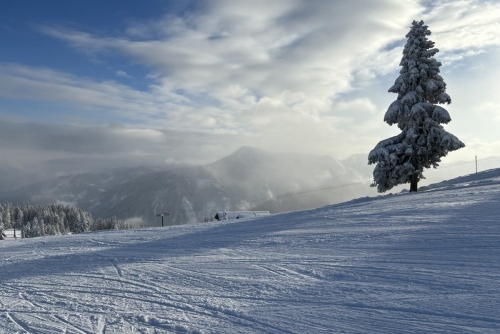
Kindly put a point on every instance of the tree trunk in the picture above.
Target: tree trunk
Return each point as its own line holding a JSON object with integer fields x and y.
{"x": 413, "y": 183}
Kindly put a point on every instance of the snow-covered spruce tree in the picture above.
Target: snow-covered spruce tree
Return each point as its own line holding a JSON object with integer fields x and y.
{"x": 423, "y": 140}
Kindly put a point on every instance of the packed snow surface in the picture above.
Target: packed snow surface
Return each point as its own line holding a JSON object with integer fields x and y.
{"x": 426, "y": 262}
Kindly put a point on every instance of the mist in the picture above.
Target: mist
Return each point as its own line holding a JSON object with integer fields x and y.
{"x": 134, "y": 173}
{"x": 40, "y": 151}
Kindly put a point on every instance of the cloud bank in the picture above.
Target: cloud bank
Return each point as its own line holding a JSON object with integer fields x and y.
{"x": 284, "y": 76}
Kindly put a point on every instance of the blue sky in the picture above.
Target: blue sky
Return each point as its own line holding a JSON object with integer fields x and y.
{"x": 129, "y": 82}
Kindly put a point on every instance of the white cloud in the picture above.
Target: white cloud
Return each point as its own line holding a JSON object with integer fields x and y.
{"x": 284, "y": 75}
{"x": 23, "y": 82}
{"x": 357, "y": 105}
{"x": 464, "y": 28}
{"x": 233, "y": 60}
{"x": 122, "y": 73}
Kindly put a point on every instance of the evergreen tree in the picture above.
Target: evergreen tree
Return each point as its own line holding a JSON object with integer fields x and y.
{"x": 35, "y": 221}
{"x": 6, "y": 216}
{"x": 423, "y": 140}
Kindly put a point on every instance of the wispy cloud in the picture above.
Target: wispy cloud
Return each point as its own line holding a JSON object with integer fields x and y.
{"x": 85, "y": 94}
{"x": 122, "y": 73}
{"x": 464, "y": 28}
{"x": 231, "y": 60}
{"x": 283, "y": 75}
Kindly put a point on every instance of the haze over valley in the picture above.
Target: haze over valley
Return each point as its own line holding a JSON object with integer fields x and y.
{"x": 248, "y": 179}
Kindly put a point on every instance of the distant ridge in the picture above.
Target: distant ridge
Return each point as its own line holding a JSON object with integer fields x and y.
{"x": 247, "y": 179}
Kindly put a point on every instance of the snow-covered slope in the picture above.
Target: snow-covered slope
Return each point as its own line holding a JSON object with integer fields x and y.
{"x": 425, "y": 262}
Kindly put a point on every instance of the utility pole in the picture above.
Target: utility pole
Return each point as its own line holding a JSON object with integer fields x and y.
{"x": 162, "y": 214}
{"x": 16, "y": 223}
{"x": 476, "y": 164}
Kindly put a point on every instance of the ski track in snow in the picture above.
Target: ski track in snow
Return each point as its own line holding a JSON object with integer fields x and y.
{"x": 409, "y": 263}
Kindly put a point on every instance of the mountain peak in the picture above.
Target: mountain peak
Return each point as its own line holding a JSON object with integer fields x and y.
{"x": 243, "y": 155}
{"x": 250, "y": 150}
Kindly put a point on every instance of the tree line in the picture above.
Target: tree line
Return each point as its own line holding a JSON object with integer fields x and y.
{"x": 55, "y": 219}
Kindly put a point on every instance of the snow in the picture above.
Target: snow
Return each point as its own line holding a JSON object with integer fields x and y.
{"x": 418, "y": 86}
{"x": 425, "y": 262}
{"x": 441, "y": 115}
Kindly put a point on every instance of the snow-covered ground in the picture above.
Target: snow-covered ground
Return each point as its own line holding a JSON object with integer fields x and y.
{"x": 410, "y": 263}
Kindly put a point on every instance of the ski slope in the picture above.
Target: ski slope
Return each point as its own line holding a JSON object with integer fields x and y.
{"x": 409, "y": 263}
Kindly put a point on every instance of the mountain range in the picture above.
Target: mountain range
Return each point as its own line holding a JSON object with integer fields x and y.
{"x": 248, "y": 179}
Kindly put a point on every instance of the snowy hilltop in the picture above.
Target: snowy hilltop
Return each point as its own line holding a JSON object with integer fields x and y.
{"x": 425, "y": 262}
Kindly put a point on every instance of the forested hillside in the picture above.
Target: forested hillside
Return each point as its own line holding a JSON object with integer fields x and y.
{"x": 55, "y": 219}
